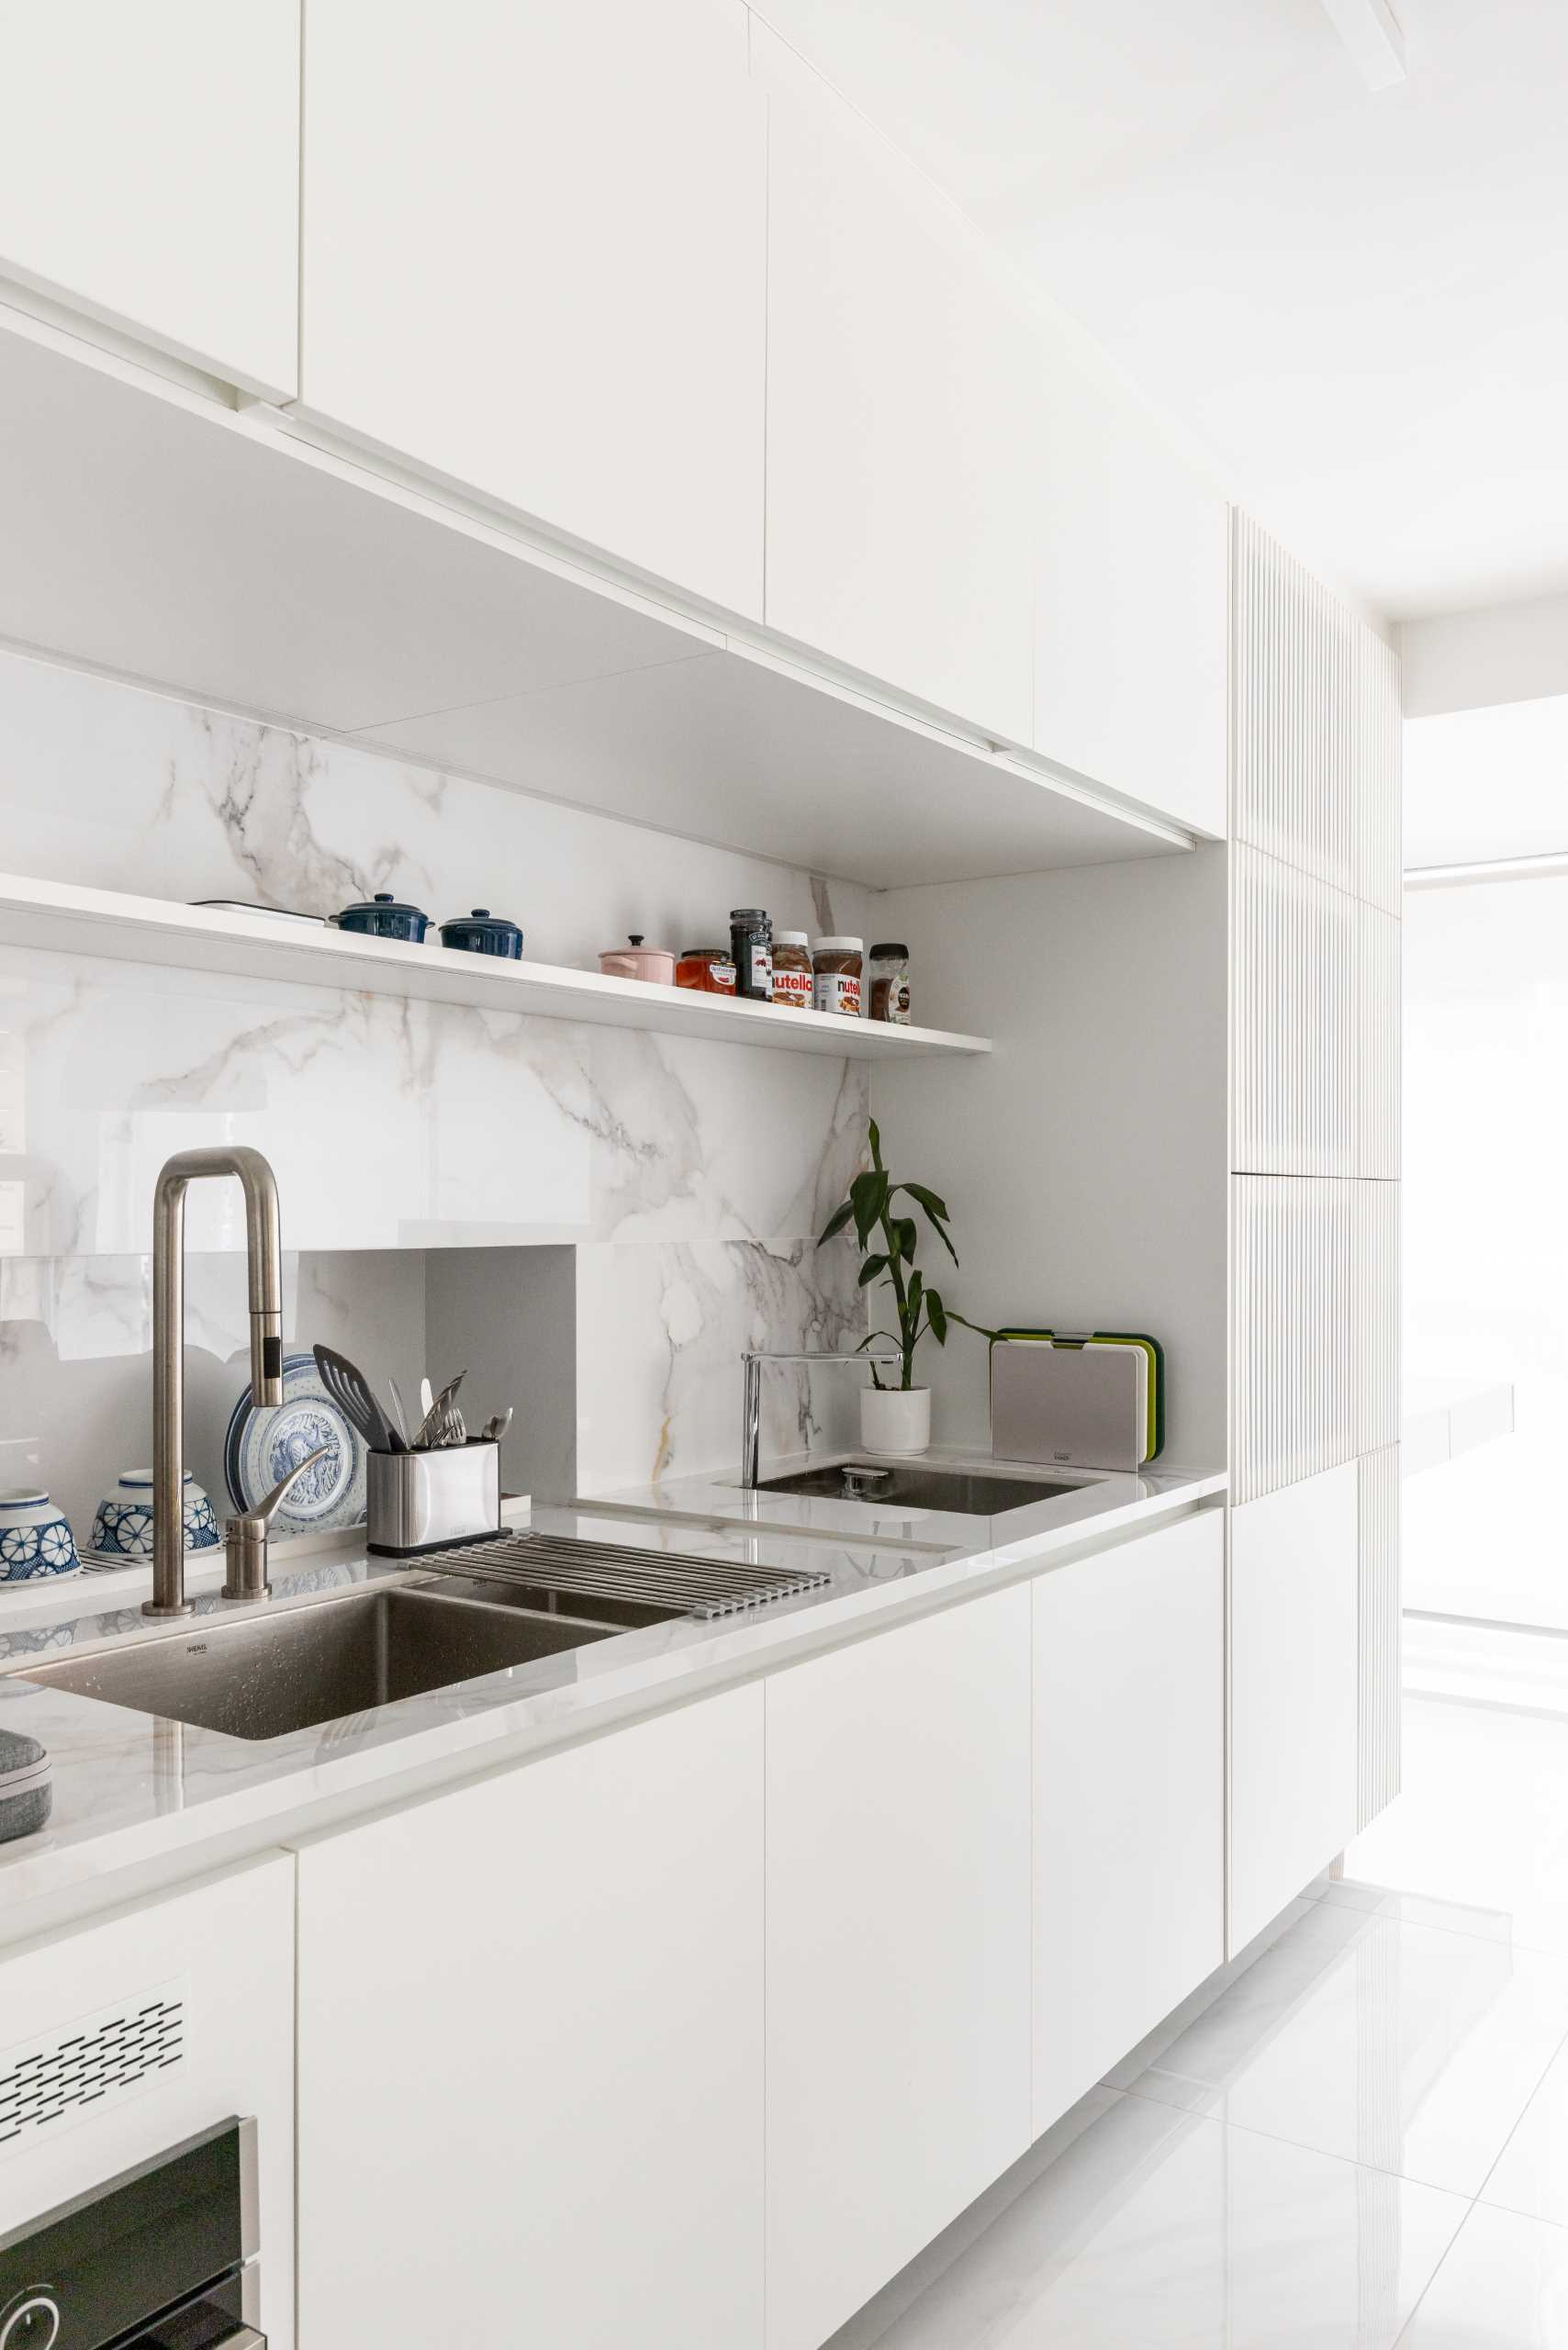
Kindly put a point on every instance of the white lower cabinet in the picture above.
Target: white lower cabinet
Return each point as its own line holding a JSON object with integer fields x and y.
{"x": 530, "y": 2053}
{"x": 1295, "y": 1629}
{"x": 120, "y": 2040}
{"x": 898, "y": 1951}
{"x": 1129, "y": 1798}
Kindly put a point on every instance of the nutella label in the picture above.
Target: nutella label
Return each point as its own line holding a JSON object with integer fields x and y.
{"x": 792, "y": 987}
{"x": 838, "y": 991}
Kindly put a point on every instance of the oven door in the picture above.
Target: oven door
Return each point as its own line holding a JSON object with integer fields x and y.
{"x": 162, "y": 2259}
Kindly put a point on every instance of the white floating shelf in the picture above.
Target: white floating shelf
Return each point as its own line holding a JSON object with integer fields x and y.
{"x": 62, "y": 919}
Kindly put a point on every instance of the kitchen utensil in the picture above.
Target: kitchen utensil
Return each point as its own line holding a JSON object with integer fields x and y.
{"x": 383, "y": 917}
{"x": 398, "y": 1413}
{"x": 427, "y": 1398}
{"x": 426, "y": 1432}
{"x": 482, "y": 932}
{"x": 268, "y": 913}
{"x": 654, "y": 965}
{"x": 351, "y": 1391}
{"x": 26, "y": 1789}
{"x": 1075, "y": 1402}
{"x": 496, "y": 1426}
{"x": 122, "y": 1525}
{"x": 260, "y": 1447}
{"x": 1154, "y": 1353}
{"x": 422, "y": 1501}
{"x": 36, "y": 1539}
{"x": 452, "y": 1428}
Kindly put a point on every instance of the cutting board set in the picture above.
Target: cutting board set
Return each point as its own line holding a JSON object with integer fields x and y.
{"x": 1091, "y": 1400}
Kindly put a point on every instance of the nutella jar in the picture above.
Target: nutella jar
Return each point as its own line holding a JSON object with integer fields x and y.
{"x": 835, "y": 975}
{"x": 791, "y": 970}
{"x": 708, "y": 970}
{"x": 888, "y": 992}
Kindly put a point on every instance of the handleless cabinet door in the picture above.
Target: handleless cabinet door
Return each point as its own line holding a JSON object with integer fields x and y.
{"x": 1294, "y": 1691}
{"x": 900, "y": 510}
{"x": 149, "y": 172}
{"x": 898, "y": 1951}
{"x": 1129, "y": 1798}
{"x": 534, "y": 247}
{"x": 531, "y": 2053}
{"x": 1132, "y": 602}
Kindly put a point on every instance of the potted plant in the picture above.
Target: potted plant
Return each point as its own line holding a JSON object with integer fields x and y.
{"x": 895, "y": 1420}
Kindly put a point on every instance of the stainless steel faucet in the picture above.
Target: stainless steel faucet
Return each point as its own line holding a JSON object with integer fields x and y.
{"x": 263, "y": 1259}
{"x": 751, "y": 1402}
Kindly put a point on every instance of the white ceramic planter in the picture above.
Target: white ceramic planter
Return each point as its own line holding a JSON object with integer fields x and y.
{"x": 895, "y": 1420}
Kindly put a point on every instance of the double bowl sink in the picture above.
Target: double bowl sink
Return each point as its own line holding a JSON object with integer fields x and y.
{"x": 319, "y": 1660}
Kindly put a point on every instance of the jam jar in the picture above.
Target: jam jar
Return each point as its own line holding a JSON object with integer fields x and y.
{"x": 707, "y": 968}
{"x": 888, "y": 992}
{"x": 835, "y": 975}
{"x": 751, "y": 951}
{"x": 791, "y": 970}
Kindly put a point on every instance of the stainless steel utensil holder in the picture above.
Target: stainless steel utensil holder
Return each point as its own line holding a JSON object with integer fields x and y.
{"x": 431, "y": 1501}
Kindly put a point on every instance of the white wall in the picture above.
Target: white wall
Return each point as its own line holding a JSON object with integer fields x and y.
{"x": 1499, "y": 653}
{"x": 1084, "y": 1162}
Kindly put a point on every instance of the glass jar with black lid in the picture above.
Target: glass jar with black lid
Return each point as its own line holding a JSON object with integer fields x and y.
{"x": 751, "y": 950}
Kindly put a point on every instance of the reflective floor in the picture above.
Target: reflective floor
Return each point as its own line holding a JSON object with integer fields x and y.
{"x": 1361, "y": 2140}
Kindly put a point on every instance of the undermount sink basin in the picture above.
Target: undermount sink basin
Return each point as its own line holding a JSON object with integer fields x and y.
{"x": 269, "y": 1675}
{"x": 920, "y": 1484}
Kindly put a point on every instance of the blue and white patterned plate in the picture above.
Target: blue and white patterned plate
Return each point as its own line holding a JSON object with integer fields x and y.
{"x": 260, "y": 1447}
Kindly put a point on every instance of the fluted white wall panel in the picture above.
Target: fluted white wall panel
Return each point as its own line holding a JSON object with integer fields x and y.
{"x": 1378, "y": 1045}
{"x": 1295, "y": 659}
{"x": 1295, "y": 1021}
{"x": 1293, "y": 1365}
{"x": 1377, "y": 1330}
{"x": 1377, "y": 1550}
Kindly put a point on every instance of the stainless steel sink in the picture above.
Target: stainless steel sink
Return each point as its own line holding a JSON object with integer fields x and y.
{"x": 269, "y": 1675}
{"x": 920, "y": 1485}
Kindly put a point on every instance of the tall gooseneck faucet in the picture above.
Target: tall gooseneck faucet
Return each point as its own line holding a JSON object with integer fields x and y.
{"x": 263, "y": 1256}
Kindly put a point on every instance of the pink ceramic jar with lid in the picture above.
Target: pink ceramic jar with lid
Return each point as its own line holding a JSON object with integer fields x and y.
{"x": 656, "y": 965}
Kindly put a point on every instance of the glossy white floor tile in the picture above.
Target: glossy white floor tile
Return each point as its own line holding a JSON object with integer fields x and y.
{"x": 1162, "y": 2232}
{"x": 1413, "y": 2049}
{"x": 1532, "y": 2173}
{"x": 1483, "y": 1820}
{"x": 1503, "y": 2286}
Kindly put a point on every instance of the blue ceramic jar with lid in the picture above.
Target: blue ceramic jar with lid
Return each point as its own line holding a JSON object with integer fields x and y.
{"x": 383, "y": 917}
{"x": 482, "y": 932}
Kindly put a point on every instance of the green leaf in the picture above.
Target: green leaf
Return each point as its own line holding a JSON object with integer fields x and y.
{"x": 934, "y": 1208}
{"x": 837, "y": 1221}
{"x": 866, "y": 1196}
{"x": 871, "y": 1268}
{"x": 907, "y": 1236}
{"x": 913, "y": 1298}
{"x": 874, "y": 1131}
{"x": 937, "y": 1314}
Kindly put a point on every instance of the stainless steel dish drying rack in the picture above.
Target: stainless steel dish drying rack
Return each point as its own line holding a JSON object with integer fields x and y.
{"x": 564, "y": 1565}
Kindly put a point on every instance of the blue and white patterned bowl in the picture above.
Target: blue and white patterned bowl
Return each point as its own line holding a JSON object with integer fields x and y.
{"x": 122, "y": 1528}
{"x": 262, "y": 1447}
{"x": 35, "y": 1538}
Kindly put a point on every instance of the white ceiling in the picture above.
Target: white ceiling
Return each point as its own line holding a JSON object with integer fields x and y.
{"x": 1356, "y": 300}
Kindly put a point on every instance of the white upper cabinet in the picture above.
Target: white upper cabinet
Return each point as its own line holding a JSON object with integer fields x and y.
{"x": 534, "y": 252}
{"x": 1132, "y": 603}
{"x": 900, "y": 457}
{"x": 150, "y": 173}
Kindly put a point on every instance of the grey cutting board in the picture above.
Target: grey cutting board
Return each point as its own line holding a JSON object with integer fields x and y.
{"x": 1079, "y": 1407}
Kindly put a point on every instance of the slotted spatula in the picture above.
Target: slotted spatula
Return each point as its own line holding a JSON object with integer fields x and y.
{"x": 351, "y": 1392}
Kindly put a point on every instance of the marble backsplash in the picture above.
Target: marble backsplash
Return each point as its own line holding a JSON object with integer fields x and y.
{"x": 690, "y": 1177}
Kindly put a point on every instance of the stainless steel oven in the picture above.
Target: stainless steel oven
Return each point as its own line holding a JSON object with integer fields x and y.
{"x": 164, "y": 2257}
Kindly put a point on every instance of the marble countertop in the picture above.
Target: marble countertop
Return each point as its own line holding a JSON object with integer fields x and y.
{"x": 131, "y": 1789}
